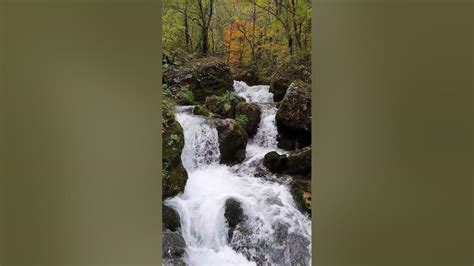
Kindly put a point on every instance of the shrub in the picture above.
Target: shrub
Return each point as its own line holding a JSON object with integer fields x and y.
{"x": 165, "y": 90}
{"x": 185, "y": 97}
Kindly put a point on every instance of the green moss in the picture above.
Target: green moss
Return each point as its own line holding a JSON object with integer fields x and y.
{"x": 201, "y": 110}
{"x": 242, "y": 121}
{"x": 165, "y": 90}
{"x": 223, "y": 105}
{"x": 185, "y": 97}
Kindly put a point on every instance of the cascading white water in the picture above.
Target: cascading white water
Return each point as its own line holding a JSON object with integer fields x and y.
{"x": 274, "y": 231}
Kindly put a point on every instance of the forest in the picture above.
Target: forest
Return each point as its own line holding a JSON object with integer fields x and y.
{"x": 251, "y": 34}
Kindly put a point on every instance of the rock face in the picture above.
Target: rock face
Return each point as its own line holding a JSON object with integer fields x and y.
{"x": 234, "y": 214}
{"x": 294, "y": 117}
{"x": 275, "y": 162}
{"x": 170, "y": 219}
{"x": 224, "y": 105}
{"x": 204, "y": 77}
{"x": 284, "y": 76}
{"x": 253, "y": 112}
{"x": 248, "y": 76}
{"x": 173, "y": 247}
{"x": 174, "y": 174}
{"x": 232, "y": 142}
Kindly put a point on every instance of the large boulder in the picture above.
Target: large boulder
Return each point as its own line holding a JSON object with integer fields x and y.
{"x": 174, "y": 174}
{"x": 285, "y": 75}
{"x": 204, "y": 77}
{"x": 232, "y": 141}
{"x": 249, "y": 76}
{"x": 234, "y": 214}
{"x": 173, "y": 247}
{"x": 253, "y": 112}
{"x": 224, "y": 105}
{"x": 294, "y": 117}
{"x": 170, "y": 219}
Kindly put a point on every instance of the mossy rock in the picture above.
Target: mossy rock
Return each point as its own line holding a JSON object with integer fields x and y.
{"x": 275, "y": 162}
{"x": 174, "y": 174}
{"x": 204, "y": 77}
{"x": 294, "y": 117}
{"x": 253, "y": 113}
{"x": 248, "y": 75}
{"x": 232, "y": 142}
{"x": 172, "y": 144}
{"x": 299, "y": 162}
{"x": 285, "y": 75}
{"x": 224, "y": 105}
{"x": 202, "y": 110}
{"x": 170, "y": 219}
{"x": 185, "y": 97}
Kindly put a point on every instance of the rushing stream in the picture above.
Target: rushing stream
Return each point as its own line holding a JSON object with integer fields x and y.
{"x": 274, "y": 232}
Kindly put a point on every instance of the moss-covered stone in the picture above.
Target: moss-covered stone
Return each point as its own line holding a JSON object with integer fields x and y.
{"x": 275, "y": 162}
{"x": 299, "y": 162}
{"x": 224, "y": 105}
{"x": 185, "y": 97}
{"x": 253, "y": 112}
{"x": 202, "y": 110}
{"x": 170, "y": 219}
{"x": 285, "y": 75}
{"x": 174, "y": 174}
{"x": 294, "y": 117}
{"x": 232, "y": 142}
{"x": 247, "y": 75}
{"x": 204, "y": 77}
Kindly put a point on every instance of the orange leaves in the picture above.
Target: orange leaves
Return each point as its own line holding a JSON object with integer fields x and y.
{"x": 239, "y": 40}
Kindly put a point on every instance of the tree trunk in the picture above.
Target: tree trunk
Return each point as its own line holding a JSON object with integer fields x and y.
{"x": 187, "y": 37}
{"x": 295, "y": 26}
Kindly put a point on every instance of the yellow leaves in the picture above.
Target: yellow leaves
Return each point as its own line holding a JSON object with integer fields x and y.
{"x": 238, "y": 38}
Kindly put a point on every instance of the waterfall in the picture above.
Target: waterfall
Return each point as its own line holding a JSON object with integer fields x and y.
{"x": 274, "y": 231}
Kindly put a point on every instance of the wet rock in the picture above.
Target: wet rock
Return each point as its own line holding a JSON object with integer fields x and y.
{"x": 174, "y": 174}
{"x": 232, "y": 142}
{"x": 224, "y": 105}
{"x": 294, "y": 117}
{"x": 173, "y": 247}
{"x": 285, "y": 75}
{"x": 253, "y": 112}
{"x": 299, "y": 162}
{"x": 234, "y": 214}
{"x": 204, "y": 77}
{"x": 275, "y": 162}
{"x": 249, "y": 76}
{"x": 170, "y": 219}
{"x": 301, "y": 191}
